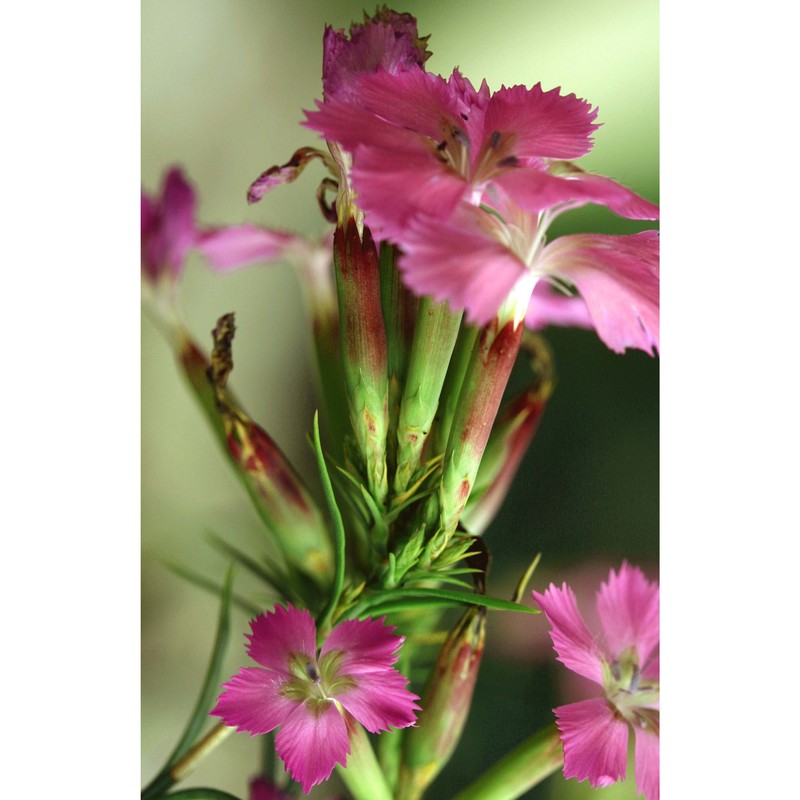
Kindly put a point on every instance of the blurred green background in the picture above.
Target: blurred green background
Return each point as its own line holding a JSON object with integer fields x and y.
{"x": 223, "y": 88}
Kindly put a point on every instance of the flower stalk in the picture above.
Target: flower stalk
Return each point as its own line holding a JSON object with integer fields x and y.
{"x": 523, "y": 768}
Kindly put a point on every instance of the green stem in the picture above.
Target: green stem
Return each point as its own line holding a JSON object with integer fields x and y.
{"x": 363, "y": 776}
{"x": 523, "y": 768}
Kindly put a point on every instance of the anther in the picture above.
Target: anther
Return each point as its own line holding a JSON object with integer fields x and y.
{"x": 494, "y": 139}
{"x": 311, "y": 671}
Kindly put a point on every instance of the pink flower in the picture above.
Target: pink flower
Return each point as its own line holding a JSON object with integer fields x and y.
{"x": 170, "y": 232}
{"x": 467, "y": 183}
{"x": 314, "y": 696}
{"x": 388, "y": 41}
{"x": 624, "y": 661}
{"x": 499, "y": 258}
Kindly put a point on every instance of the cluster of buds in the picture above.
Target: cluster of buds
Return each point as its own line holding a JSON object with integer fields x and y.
{"x": 433, "y": 279}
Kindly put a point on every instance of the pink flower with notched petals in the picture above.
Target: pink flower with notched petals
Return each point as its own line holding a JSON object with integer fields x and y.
{"x": 314, "y": 696}
{"x": 624, "y": 661}
{"x": 467, "y": 183}
{"x": 170, "y": 232}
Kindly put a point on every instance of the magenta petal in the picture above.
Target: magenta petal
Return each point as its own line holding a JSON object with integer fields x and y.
{"x": 252, "y": 701}
{"x": 178, "y": 210}
{"x": 394, "y": 186}
{"x": 647, "y": 759}
{"x": 229, "y": 248}
{"x": 280, "y": 634}
{"x": 260, "y": 789}
{"x": 551, "y": 307}
{"x": 380, "y": 700}
{"x": 545, "y": 124}
{"x": 457, "y": 262}
{"x": 366, "y": 645}
{"x": 311, "y": 744}
{"x": 595, "y": 742}
{"x": 573, "y": 643}
{"x": 535, "y": 190}
{"x": 617, "y": 277}
{"x": 628, "y": 609}
{"x": 389, "y": 43}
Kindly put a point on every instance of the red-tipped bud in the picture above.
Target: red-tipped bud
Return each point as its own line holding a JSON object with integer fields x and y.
{"x": 446, "y": 703}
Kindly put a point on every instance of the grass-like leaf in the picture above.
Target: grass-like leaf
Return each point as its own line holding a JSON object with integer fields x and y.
{"x": 215, "y": 588}
{"x": 440, "y": 596}
{"x": 208, "y": 694}
{"x": 200, "y": 793}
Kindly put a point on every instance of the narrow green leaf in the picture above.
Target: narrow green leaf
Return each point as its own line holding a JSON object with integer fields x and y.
{"x": 338, "y": 531}
{"x": 267, "y": 571}
{"x": 208, "y": 693}
{"x": 215, "y": 588}
{"x": 211, "y": 684}
{"x": 461, "y": 598}
{"x": 201, "y": 793}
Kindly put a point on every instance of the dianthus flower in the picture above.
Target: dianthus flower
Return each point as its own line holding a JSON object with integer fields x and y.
{"x": 467, "y": 183}
{"x": 170, "y": 232}
{"x": 624, "y": 661}
{"x": 315, "y": 696}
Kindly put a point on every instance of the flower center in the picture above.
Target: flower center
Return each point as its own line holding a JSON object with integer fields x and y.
{"x": 316, "y": 679}
{"x": 633, "y": 696}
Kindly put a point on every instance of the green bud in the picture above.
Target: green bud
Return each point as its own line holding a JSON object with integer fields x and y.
{"x": 482, "y": 390}
{"x": 434, "y": 339}
{"x": 278, "y": 494}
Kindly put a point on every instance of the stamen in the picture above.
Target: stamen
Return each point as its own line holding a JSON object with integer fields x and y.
{"x": 508, "y": 161}
{"x": 494, "y": 139}
{"x": 460, "y": 137}
{"x": 311, "y": 671}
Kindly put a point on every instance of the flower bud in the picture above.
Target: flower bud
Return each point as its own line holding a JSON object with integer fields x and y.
{"x": 446, "y": 703}
{"x": 509, "y": 439}
{"x": 481, "y": 392}
{"x": 277, "y": 492}
{"x": 363, "y": 348}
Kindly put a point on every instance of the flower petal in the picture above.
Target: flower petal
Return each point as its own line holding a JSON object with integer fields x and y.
{"x": 229, "y": 248}
{"x": 457, "y": 262}
{"x": 646, "y": 759}
{"x": 573, "y": 643}
{"x": 261, "y": 789}
{"x": 389, "y": 41}
{"x": 551, "y": 307}
{"x": 380, "y": 700}
{"x": 617, "y": 277}
{"x": 177, "y": 222}
{"x": 367, "y": 645}
{"x": 281, "y": 633}
{"x": 569, "y": 187}
{"x": 544, "y": 124}
{"x": 628, "y": 608}
{"x": 312, "y": 741}
{"x": 595, "y": 742}
{"x": 252, "y": 701}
